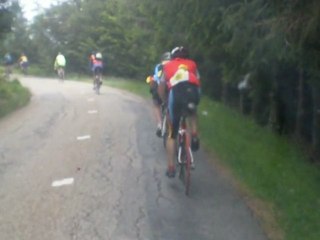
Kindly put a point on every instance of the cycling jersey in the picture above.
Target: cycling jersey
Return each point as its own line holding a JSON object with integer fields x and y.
{"x": 60, "y": 61}
{"x": 158, "y": 71}
{"x": 23, "y": 59}
{"x": 180, "y": 70}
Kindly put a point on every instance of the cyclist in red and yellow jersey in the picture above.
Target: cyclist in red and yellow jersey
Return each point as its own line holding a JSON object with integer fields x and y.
{"x": 182, "y": 79}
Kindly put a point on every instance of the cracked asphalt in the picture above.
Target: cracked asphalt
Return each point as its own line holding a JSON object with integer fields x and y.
{"x": 106, "y": 143}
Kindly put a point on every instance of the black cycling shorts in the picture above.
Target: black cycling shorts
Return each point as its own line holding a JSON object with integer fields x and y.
{"x": 180, "y": 96}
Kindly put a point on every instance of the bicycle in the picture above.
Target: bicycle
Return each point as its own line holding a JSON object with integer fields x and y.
{"x": 185, "y": 160}
{"x": 97, "y": 82}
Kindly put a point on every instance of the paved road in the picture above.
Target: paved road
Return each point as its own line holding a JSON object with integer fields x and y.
{"x": 75, "y": 165}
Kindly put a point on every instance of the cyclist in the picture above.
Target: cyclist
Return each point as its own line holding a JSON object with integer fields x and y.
{"x": 181, "y": 77}
{"x": 23, "y": 62}
{"x": 156, "y": 102}
{"x": 8, "y": 62}
{"x": 154, "y": 89}
{"x": 60, "y": 63}
{"x": 96, "y": 63}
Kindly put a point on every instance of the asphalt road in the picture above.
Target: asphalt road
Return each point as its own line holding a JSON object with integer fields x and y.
{"x": 75, "y": 165}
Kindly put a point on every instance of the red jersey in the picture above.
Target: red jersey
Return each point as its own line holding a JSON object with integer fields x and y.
{"x": 180, "y": 70}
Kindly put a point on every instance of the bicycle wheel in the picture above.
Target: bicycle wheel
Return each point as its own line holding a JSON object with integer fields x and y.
{"x": 97, "y": 80}
{"x": 187, "y": 164}
{"x": 96, "y": 84}
{"x": 184, "y": 157}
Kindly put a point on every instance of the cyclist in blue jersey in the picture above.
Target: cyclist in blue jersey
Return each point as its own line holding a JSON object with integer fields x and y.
{"x": 154, "y": 90}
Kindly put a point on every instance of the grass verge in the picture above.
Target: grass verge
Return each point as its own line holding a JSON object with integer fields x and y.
{"x": 12, "y": 96}
{"x": 280, "y": 185}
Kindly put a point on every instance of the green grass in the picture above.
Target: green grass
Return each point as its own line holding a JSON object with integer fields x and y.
{"x": 272, "y": 168}
{"x": 12, "y": 96}
{"x": 138, "y": 87}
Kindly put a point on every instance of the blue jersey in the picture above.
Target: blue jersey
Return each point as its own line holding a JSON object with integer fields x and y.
{"x": 157, "y": 73}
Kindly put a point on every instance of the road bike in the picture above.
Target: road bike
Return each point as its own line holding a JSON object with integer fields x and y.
{"x": 185, "y": 160}
{"x": 97, "y": 81}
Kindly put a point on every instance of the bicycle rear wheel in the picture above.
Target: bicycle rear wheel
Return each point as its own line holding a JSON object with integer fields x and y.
{"x": 97, "y": 84}
{"x": 184, "y": 156}
{"x": 97, "y": 79}
{"x": 187, "y": 164}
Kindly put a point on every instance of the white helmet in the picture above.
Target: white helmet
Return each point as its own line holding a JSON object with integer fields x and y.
{"x": 98, "y": 55}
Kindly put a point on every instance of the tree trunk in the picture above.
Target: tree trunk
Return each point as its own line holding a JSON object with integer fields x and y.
{"x": 300, "y": 108}
{"x": 273, "y": 112}
{"x": 316, "y": 123}
{"x": 241, "y": 101}
{"x": 225, "y": 92}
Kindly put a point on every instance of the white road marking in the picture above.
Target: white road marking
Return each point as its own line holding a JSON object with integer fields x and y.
{"x": 83, "y": 137}
{"x": 59, "y": 183}
{"x": 92, "y": 111}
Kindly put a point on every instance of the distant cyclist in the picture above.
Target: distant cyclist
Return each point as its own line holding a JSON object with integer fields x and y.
{"x": 156, "y": 102}
{"x": 8, "y": 62}
{"x": 96, "y": 63}
{"x": 154, "y": 90}
{"x": 181, "y": 78}
{"x": 59, "y": 65}
{"x": 23, "y": 63}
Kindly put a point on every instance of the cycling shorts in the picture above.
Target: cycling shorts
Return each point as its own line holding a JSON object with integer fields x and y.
{"x": 24, "y": 64}
{"x": 180, "y": 96}
{"x": 97, "y": 67}
{"x": 97, "y": 70}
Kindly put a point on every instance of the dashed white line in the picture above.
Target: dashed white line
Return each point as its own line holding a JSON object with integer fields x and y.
{"x": 83, "y": 137}
{"x": 92, "y": 111}
{"x": 59, "y": 183}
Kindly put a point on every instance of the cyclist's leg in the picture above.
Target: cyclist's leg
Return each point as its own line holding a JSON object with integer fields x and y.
{"x": 173, "y": 127}
{"x": 93, "y": 69}
{"x": 99, "y": 74}
{"x": 192, "y": 95}
{"x": 157, "y": 109}
{"x": 63, "y": 72}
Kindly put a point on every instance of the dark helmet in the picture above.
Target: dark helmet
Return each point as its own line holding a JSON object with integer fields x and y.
{"x": 166, "y": 56}
{"x": 179, "y": 52}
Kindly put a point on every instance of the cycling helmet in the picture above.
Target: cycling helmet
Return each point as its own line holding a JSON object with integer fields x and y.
{"x": 179, "y": 52}
{"x": 166, "y": 56}
{"x": 98, "y": 55}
